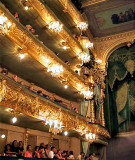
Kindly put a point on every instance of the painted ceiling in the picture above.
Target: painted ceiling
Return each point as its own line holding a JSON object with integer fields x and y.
{"x": 111, "y": 17}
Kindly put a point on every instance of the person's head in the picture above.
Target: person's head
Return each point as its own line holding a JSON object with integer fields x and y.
{"x": 7, "y": 147}
{"x": 42, "y": 145}
{"x": 82, "y": 154}
{"x": 41, "y": 149}
{"x": 15, "y": 78}
{"x": 14, "y": 143}
{"x": 22, "y": 83}
{"x": 53, "y": 149}
{"x": 90, "y": 155}
{"x": 47, "y": 146}
{"x": 16, "y": 14}
{"x": 4, "y": 71}
{"x": 67, "y": 153}
{"x": 28, "y": 147}
{"x": 37, "y": 148}
{"x": 40, "y": 92}
{"x": 94, "y": 154}
{"x": 20, "y": 143}
{"x": 59, "y": 151}
{"x": 71, "y": 153}
{"x": 64, "y": 153}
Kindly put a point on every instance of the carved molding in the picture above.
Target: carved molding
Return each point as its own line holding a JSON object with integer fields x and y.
{"x": 87, "y": 3}
{"x": 106, "y": 45}
{"x": 23, "y": 101}
{"x": 21, "y": 37}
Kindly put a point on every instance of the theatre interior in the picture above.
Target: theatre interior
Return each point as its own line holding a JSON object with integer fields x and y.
{"x": 67, "y": 79}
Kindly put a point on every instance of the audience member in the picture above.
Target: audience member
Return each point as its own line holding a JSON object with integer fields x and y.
{"x": 14, "y": 147}
{"x": 41, "y": 152}
{"x": 20, "y": 149}
{"x": 28, "y": 153}
{"x": 16, "y": 15}
{"x": 36, "y": 153}
{"x": 4, "y": 71}
{"x": 58, "y": 154}
{"x": 52, "y": 152}
{"x": 71, "y": 155}
{"x": 8, "y": 151}
{"x": 15, "y": 78}
{"x": 47, "y": 151}
{"x": 81, "y": 156}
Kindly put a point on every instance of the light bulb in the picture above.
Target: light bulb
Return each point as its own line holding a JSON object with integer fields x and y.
{"x": 3, "y": 136}
{"x": 14, "y": 119}
{"x": 64, "y": 47}
{"x": 66, "y": 86}
{"x": 65, "y": 133}
{"x": 26, "y": 8}
{"x": 21, "y": 56}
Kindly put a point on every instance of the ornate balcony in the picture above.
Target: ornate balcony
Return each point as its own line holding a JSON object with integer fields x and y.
{"x": 22, "y": 100}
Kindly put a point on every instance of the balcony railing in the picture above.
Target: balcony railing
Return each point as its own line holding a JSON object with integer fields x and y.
{"x": 23, "y": 100}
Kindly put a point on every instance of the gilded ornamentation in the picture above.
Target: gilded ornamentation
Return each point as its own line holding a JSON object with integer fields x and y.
{"x": 23, "y": 101}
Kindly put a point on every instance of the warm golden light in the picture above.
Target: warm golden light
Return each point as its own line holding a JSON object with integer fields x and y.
{"x": 55, "y": 69}
{"x": 55, "y": 26}
{"x": 87, "y": 93}
{"x": 83, "y": 26}
{"x": 85, "y": 57}
{"x": 89, "y": 45}
{"x": 4, "y": 24}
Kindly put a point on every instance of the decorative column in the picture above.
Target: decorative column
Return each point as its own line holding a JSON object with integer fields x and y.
{"x": 102, "y": 108}
{"x": 92, "y": 111}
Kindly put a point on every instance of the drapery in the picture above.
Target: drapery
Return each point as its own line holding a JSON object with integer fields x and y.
{"x": 120, "y": 89}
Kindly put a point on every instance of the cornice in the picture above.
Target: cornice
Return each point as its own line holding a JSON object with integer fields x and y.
{"x": 87, "y": 3}
{"x": 106, "y": 45}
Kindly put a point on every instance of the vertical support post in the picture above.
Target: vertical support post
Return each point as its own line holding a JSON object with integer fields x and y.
{"x": 102, "y": 108}
{"x": 92, "y": 111}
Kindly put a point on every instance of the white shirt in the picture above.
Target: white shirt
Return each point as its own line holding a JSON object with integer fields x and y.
{"x": 71, "y": 157}
{"x": 51, "y": 154}
{"x": 79, "y": 157}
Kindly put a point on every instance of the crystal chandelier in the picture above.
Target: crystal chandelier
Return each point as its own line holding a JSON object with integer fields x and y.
{"x": 55, "y": 126}
{"x": 87, "y": 93}
{"x": 82, "y": 25}
{"x": 90, "y": 136}
{"x": 4, "y": 24}
{"x": 55, "y": 69}
{"x": 55, "y": 26}
{"x": 89, "y": 45}
{"x": 85, "y": 57}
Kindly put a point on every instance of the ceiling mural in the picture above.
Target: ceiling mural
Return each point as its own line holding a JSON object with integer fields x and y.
{"x": 111, "y": 17}
{"x": 116, "y": 17}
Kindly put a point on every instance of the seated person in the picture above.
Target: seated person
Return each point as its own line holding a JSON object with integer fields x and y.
{"x": 75, "y": 109}
{"x": 15, "y": 78}
{"x": 14, "y": 147}
{"x": 71, "y": 155}
{"x": 58, "y": 155}
{"x": 28, "y": 27}
{"x": 52, "y": 153}
{"x": 20, "y": 149}
{"x": 28, "y": 153}
{"x": 40, "y": 92}
{"x": 16, "y": 15}
{"x": 36, "y": 153}
{"x": 41, "y": 152}
{"x": 8, "y": 151}
{"x": 4, "y": 71}
{"x": 47, "y": 150}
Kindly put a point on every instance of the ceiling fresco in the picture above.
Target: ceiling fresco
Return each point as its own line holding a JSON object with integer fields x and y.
{"x": 111, "y": 17}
